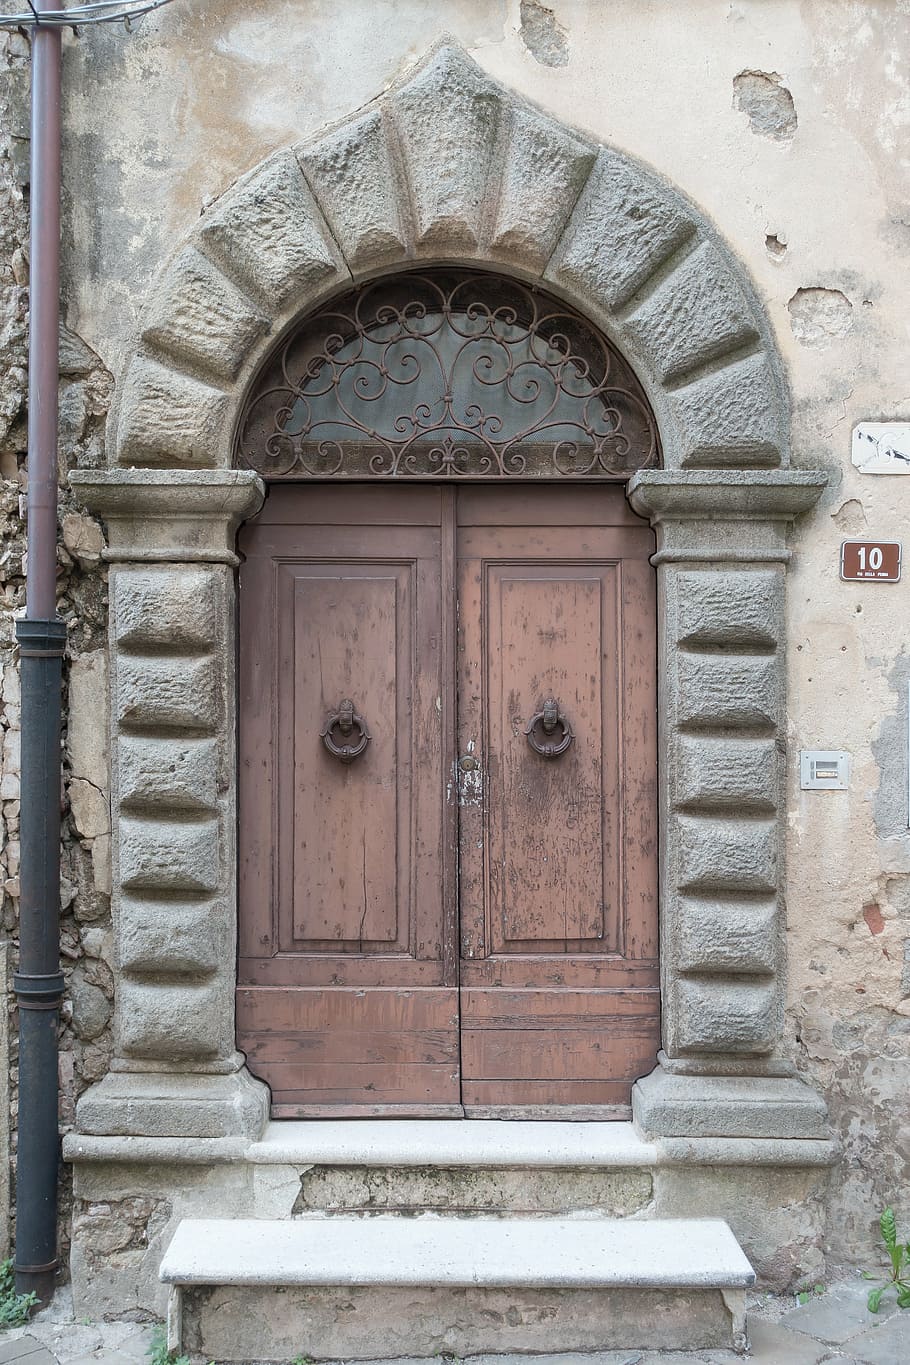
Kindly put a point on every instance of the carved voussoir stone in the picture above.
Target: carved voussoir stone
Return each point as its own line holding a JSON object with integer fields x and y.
{"x": 625, "y": 226}
{"x": 727, "y": 936}
{"x": 699, "y": 313}
{"x": 544, "y": 171}
{"x": 267, "y": 233}
{"x": 448, "y": 117}
{"x": 167, "y": 608}
{"x": 168, "y": 418}
{"x": 351, "y": 173}
{"x": 734, "y": 417}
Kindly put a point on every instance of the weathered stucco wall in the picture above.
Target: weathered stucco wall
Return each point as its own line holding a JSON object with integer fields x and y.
{"x": 786, "y": 123}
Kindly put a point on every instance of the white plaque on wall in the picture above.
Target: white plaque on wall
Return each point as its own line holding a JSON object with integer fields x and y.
{"x": 881, "y": 447}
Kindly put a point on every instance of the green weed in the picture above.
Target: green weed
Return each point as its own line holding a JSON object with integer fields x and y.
{"x": 899, "y": 1256}
{"x": 14, "y": 1308}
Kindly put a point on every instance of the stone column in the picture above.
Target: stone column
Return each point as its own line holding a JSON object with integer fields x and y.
{"x": 175, "y": 1071}
{"x": 721, "y": 563}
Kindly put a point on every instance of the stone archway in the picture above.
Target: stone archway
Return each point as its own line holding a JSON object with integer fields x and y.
{"x": 449, "y": 167}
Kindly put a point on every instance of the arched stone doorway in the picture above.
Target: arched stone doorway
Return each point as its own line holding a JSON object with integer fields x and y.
{"x": 451, "y": 168}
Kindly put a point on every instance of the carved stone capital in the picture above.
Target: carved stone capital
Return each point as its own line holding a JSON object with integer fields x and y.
{"x": 172, "y": 516}
{"x": 735, "y": 516}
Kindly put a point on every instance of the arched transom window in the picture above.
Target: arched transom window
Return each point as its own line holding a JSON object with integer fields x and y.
{"x": 446, "y": 374}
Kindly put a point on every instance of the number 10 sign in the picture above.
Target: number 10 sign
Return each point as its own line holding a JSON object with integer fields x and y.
{"x": 866, "y": 561}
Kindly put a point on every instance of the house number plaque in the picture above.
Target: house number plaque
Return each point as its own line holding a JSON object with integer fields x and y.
{"x": 870, "y": 561}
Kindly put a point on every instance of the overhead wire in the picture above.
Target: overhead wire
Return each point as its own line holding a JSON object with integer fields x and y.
{"x": 79, "y": 16}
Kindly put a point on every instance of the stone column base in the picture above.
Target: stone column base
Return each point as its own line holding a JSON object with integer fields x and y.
{"x": 180, "y": 1105}
{"x": 671, "y": 1104}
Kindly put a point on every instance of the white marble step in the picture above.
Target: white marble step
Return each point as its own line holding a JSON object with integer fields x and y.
{"x": 495, "y": 1252}
{"x": 451, "y": 1142}
{"x": 354, "y": 1288}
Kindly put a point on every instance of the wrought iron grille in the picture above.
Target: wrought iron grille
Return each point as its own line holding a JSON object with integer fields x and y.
{"x": 446, "y": 374}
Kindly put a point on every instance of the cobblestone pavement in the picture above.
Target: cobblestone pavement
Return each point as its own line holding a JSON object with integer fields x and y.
{"x": 834, "y": 1328}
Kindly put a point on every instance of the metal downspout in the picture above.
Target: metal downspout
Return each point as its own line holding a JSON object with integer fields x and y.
{"x": 42, "y": 639}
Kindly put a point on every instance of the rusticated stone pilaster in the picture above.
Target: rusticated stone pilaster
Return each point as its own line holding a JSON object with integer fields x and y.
{"x": 721, "y": 564}
{"x": 173, "y": 802}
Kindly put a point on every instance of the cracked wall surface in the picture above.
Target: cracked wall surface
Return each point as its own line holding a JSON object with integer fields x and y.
{"x": 817, "y": 213}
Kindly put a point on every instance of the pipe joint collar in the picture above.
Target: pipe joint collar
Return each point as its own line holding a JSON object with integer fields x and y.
{"x": 41, "y": 638}
{"x": 38, "y": 992}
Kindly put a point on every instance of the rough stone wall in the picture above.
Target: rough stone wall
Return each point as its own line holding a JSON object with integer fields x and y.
{"x": 81, "y": 602}
{"x": 787, "y": 127}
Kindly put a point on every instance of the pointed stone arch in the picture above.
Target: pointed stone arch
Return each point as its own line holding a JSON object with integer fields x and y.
{"x": 451, "y": 167}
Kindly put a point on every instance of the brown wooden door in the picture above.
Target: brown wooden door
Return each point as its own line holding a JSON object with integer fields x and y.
{"x": 374, "y": 893}
{"x": 557, "y": 852}
{"x": 347, "y": 996}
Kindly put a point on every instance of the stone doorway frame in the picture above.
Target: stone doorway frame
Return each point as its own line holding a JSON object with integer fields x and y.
{"x": 450, "y": 168}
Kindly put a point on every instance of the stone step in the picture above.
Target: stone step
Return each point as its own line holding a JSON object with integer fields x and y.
{"x": 483, "y": 1166}
{"x": 361, "y": 1288}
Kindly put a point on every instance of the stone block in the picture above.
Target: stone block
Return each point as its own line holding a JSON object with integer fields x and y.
{"x": 714, "y": 1015}
{"x": 170, "y": 419}
{"x": 173, "y": 608}
{"x": 170, "y": 939}
{"x": 90, "y": 809}
{"x": 351, "y": 174}
{"x": 168, "y": 774}
{"x": 544, "y": 171}
{"x": 447, "y": 117}
{"x": 266, "y": 232}
{"x": 625, "y": 225}
{"x": 729, "y": 608}
{"x": 726, "y": 935}
{"x": 731, "y": 417}
{"x": 169, "y": 1020}
{"x": 737, "y": 691}
{"x": 697, "y": 314}
{"x": 87, "y": 730}
{"x": 736, "y": 773}
{"x": 726, "y": 855}
{"x": 714, "y": 935}
{"x": 197, "y": 316}
{"x": 166, "y": 855}
{"x": 181, "y": 693}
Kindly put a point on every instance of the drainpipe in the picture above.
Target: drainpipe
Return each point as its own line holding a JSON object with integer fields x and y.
{"x": 38, "y": 984}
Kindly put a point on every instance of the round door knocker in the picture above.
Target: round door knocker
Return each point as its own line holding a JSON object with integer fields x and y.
{"x": 550, "y": 718}
{"x": 345, "y": 722}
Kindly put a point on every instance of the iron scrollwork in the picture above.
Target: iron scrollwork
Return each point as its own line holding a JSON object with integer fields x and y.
{"x": 445, "y": 374}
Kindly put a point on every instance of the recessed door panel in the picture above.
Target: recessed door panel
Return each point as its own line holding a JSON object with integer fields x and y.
{"x": 349, "y": 873}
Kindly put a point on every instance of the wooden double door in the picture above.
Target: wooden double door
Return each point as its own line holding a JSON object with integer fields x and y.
{"x": 448, "y": 826}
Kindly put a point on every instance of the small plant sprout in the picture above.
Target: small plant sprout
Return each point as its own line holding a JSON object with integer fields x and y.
{"x": 14, "y": 1308}
{"x": 899, "y": 1255}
